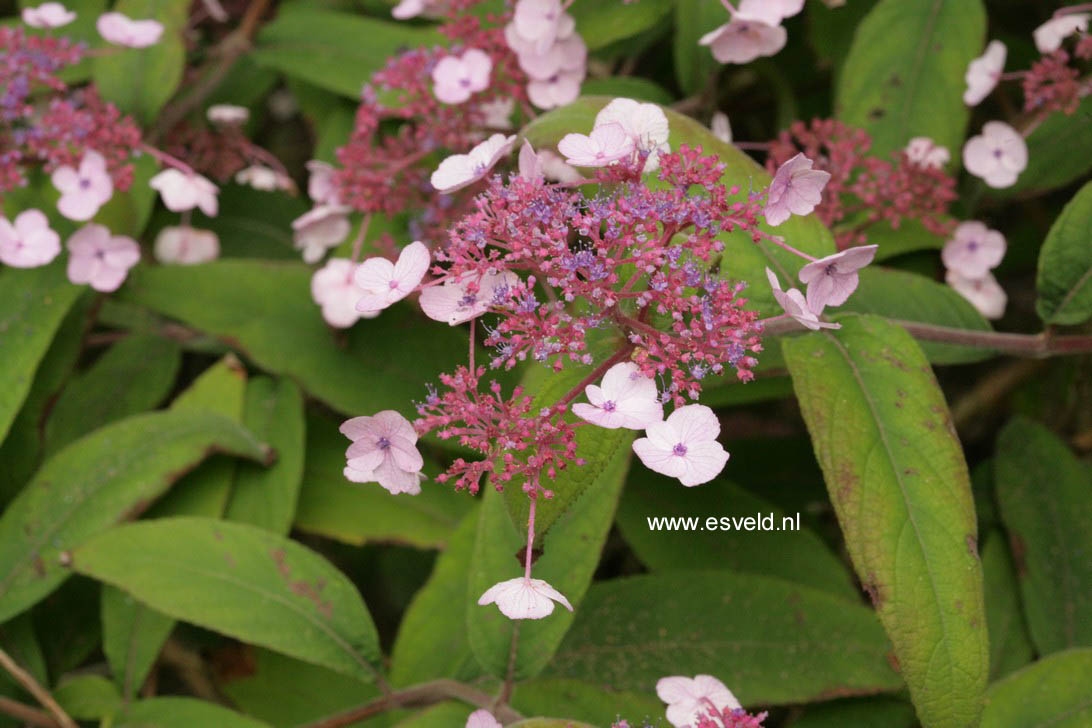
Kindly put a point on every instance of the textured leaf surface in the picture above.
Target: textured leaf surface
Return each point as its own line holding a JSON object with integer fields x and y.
{"x": 899, "y": 485}
{"x": 96, "y": 482}
{"x": 874, "y": 712}
{"x": 270, "y": 591}
{"x": 581, "y": 701}
{"x": 695, "y": 67}
{"x": 1065, "y": 264}
{"x": 1054, "y": 692}
{"x": 132, "y": 636}
{"x": 1010, "y": 643}
{"x": 750, "y": 631}
{"x": 1043, "y": 493}
{"x": 601, "y": 24}
{"x": 904, "y": 74}
{"x": 183, "y": 713}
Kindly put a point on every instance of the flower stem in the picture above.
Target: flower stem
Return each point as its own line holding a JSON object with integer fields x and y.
{"x": 33, "y": 687}
{"x": 530, "y": 536}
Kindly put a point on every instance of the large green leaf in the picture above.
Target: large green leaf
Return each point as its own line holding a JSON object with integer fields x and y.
{"x": 88, "y": 697}
{"x": 1054, "y": 692}
{"x": 581, "y": 701}
{"x": 896, "y": 476}
{"x": 265, "y": 311}
{"x": 601, "y": 24}
{"x": 911, "y": 297}
{"x": 1059, "y": 152}
{"x": 1010, "y": 644}
{"x": 132, "y": 636}
{"x": 334, "y": 50}
{"x": 874, "y": 712}
{"x": 32, "y": 307}
{"x": 1065, "y": 264}
{"x": 182, "y": 713}
{"x": 95, "y": 482}
{"x": 743, "y": 259}
{"x": 1043, "y": 493}
{"x": 570, "y": 554}
{"x": 356, "y": 513}
{"x": 752, "y": 632}
{"x": 270, "y": 591}
{"x": 695, "y": 67}
{"x": 793, "y": 555}
{"x": 266, "y": 496}
{"x": 904, "y": 74}
{"x": 140, "y": 81}
{"x": 133, "y": 376}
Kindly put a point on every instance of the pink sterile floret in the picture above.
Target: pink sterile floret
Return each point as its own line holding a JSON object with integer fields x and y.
{"x": 796, "y": 189}
{"x": 121, "y": 30}
{"x": 795, "y": 305}
{"x": 742, "y": 40}
{"x": 973, "y": 250}
{"x": 684, "y": 446}
{"x": 186, "y": 245}
{"x": 100, "y": 259}
{"x": 456, "y": 78}
{"x": 832, "y": 279}
{"x": 998, "y": 155}
{"x": 28, "y": 242}
{"x": 48, "y": 15}
{"x": 461, "y": 170}
{"x": 626, "y": 398}
{"x": 524, "y": 598}
{"x": 984, "y": 72}
{"x": 385, "y": 283}
{"x": 689, "y": 698}
{"x": 84, "y": 190}
{"x": 383, "y": 451}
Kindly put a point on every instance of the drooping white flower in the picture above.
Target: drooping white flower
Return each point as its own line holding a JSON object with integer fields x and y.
{"x": 645, "y": 124}
{"x": 984, "y": 72}
{"x": 524, "y": 598}
{"x": 795, "y": 305}
{"x": 832, "y": 279}
{"x": 461, "y": 170}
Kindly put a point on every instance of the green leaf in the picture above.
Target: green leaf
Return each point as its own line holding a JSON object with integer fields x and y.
{"x": 1010, "y": 643}
{"x": 133, "y": 376}
{"x": 875, "y": 712}
{"x": 904, "y": 74}
{"x": 831, "y": 29}
{"x": 750, "y": 631}
{"x": 1054, "y": 692}
{"x": 909, "y": 237}
{"x": 127, "y": 212}
{"x": 570, "y": 553}
{"x": 182, "y": 713}
{"x": 287, "y": 693}
{"x": 1059, "y": 152}
{"x": 266, "y": 496}
{"x": 1043, "y": 494}
{"x": 101, "y": 479}
{"x": 695, "y": 67}
{"x": 132, "y": 636}
{"x": 270, "y": 591}
{"x": 441, "y": 715}
{"x": 632, "y": 87}
{"x": 911, "y": 297}
{"x": 743, "y": 259}
{"x": 68, "y": 624}
{"x": 250, "y": 224}
{"x": 579, "y": 700}
{"x": 324, "y": 47}
{"x": 794, "y": 555}
{"x": 896, "y": 476}
{"x": 34, "y": 303}
{"x": 265, "y": 311}
{"x": 140, "y": 81}
{"x": 1065, "y": 264}
{"x": 18, "y": 639}
{"x": 88, "y": 697}
{"x": 437, "y": 616}
{"x": 357, "y": 513}
{"x": 601, "y": 24}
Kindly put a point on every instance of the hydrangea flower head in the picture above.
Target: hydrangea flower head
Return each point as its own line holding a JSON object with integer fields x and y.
{"x": 832, "y": 279}
{"x": 742, "y": 40}
{"x": 974, "y": 250}
{"x": 625, "y": 398}
{"x": 385, "y": 283}
{"x": 457, "y": 78}
{"x": 48, "y": 15}
{"x": 984, "y": 72}
{"x": 461, "y": 170}
{"x": 524, "y": 598}
{"x": 384, "y": 451}
{"x": 124, "y": 31}
{"x": 684, "y": 446}
{"x": 795, "y": 305}
{"x": 1049, "y": 35}
{"x": 83, "y": 190}
{"x": 688, "y": 699}
{"x": 186, "y": 246}
{"x": 181, "y": 191}
{"x": 796, "y": 189}
{"x": 998, "y": 155}
{"x": 319, "y": 229}
{"x": 102, "y": 260}
{"x": 334, "y": 289}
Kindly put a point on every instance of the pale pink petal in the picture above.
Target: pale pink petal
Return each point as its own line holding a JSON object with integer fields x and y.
{"x": 694, "y": 423}
{"x": 984, "y": 293}
{"x": 1049, "y": 35}
{"x": 984, "y": 72}
{"x": 482, "y": 719}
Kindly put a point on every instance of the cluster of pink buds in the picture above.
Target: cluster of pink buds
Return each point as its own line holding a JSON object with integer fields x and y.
{"x": 550, "y": 51}
{"x": 753, "y": 31}
{"x": 634, "y": 266}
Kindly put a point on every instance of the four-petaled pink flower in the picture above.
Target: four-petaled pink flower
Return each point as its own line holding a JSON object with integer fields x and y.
{"x": 85, "y": 190}
{"x": 121, "y": 30}
{"x": 186, "y": 246}
{"x": 524, "y": 598}
{"x": 385, "y": 283}
{"x": 384, "y": 451}
{"x": 1049, "y": 35}
{"x": 832, "y": 279}
{"x": 688, "y": 699}
{"x": 28, "y": 242}
{"x": 48, "y": 15}
{"x": 926, "y": 153}
{"x": 482, "y": 719}
{"x": 453, "y": 302}
{"x": 973, "y": 250}
{"x": 684, "y": 446}
{"x": 795, "y": 305}
{"x": 333, "y": 288}
{"x": 645, "y": 124}
{"x": 983, "y": 292}
{"x": 796, "y": 189}
{"x": 181, "y": 191}
{"x": 626, "y": 399}
{"x": 559, "y": 89}
{"x": 998, "y": 155}
{"x": 742, "y": 40}
{"x": 320, "y": 228}
{"x": 984, "y": 72}
{"x": 97, "y": 258}
{"x": 461, "y": 170}
{"x": 606, "y": 144}
{"x": 456, "y": 78}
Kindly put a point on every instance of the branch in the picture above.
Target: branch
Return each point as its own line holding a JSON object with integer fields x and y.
{"x": 417, "y": 696}
{"x": 32, "y": 686}
{"x": 27, "y": 714}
